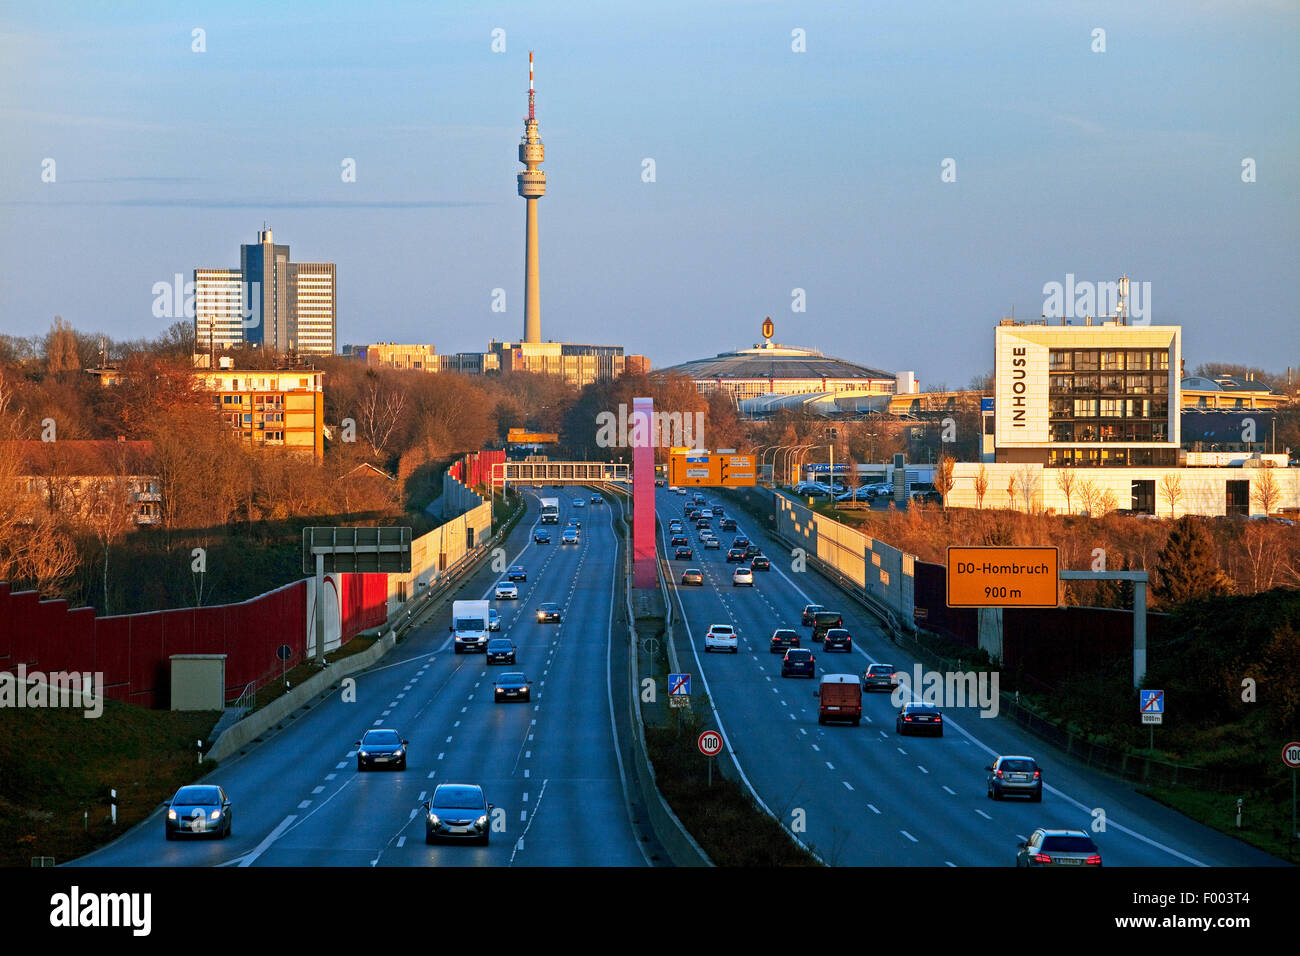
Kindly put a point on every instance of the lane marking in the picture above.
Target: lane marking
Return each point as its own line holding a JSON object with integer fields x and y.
{"x": 270, "y": 838}
{"x": 909, "y": 836}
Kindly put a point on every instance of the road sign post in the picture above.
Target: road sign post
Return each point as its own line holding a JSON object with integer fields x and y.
{"x": 1291, "y": 757}
{"x": 710, "y": 744}
{"x": 1151, "y": 705}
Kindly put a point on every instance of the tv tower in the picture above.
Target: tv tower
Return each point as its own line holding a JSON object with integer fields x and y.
{"x": 532, "y": 186}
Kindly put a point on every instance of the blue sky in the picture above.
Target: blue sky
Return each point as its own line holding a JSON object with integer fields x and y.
{"x": 775, "y": 170}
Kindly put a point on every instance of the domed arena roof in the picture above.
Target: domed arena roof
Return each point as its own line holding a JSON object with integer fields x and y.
{"x": 777, "y": 362}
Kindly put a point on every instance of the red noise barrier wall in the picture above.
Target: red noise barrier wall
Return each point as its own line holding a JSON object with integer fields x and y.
{"x": 476, "y": 467}
{"x": 132, "y": 651}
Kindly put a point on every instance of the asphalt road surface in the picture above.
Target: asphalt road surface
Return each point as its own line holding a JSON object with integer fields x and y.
{"x": 550, "y": 766}
{"x": 865, "y": 795}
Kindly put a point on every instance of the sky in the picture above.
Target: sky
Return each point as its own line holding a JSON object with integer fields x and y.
{"x": 775, "y": 169}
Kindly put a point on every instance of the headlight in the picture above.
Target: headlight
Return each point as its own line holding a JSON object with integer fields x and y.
{"x": 433, "y": 818}
{"x": 214, "y": 814}
{"x": 481, "y": 821}
{"x": 363, "y": 753}
{"x": 171, "y": 814}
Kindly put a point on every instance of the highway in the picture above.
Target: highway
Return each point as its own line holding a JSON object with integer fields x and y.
{"x": 868, "y": 796}
{"x": 550, "y": 765}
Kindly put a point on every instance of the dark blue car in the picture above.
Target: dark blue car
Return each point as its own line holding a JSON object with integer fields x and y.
{"x": 798, "y": 662}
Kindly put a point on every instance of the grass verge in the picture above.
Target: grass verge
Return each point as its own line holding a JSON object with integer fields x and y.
{"x": 57, "y": 768}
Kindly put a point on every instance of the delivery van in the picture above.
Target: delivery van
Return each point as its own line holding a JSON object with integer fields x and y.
{"x": 840, "y": 698}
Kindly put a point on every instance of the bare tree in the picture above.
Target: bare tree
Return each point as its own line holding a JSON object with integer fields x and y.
{"x": 110, "y": 512}
{"x": 1106, "y": 503}
{"x": 1089, "y": 497}
{"x": 1011, "y": 493}
{"x": 1029, "y": 485}
{"x": 1171, "y": 490}
{"x": 379, "y": 413}
{"x": 1065, "y": 480}
{"x": 981, "y": 486}
{"x": 61, "y": 348}
{"x": 1266, "y": 491}
{"x": 943, "y": 477}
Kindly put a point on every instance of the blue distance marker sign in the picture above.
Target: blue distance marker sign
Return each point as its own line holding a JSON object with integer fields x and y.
{"x": 1151, "y": 703}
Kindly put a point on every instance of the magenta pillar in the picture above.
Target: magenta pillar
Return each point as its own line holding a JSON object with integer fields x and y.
{"x": 644, "y": 573}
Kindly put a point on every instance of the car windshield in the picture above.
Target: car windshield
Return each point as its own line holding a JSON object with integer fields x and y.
{"x": 797, "y": 655}
{"x": 458, "y": 798}
{"x": 499, "y": 644}
{"x": 512, "y": 679}
{"x": 722, "y": 629}
{"x": 1017, "y": 766}
{"x": 469, "y": 623}
{"x": 550, "y": 607}
{"x": 376, "y": 738}
{"x": 1069, "y": 844}
{"x": 881, "y": 670}
{"x": 783, "y": 635}
{"x": 828, "y": 617}
{"x": 921, "y": 709}
{"x": 198, "y": 796}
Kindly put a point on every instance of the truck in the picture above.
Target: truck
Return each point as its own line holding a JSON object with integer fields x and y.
{"x": 469, "y": 624}
{"x": 550, "y": 511}
{"x": 840, "y": 698}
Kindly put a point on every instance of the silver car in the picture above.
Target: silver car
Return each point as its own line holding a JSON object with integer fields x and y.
{"x": 1058, "y": 848}
{"x": 1015, "y": 775}
{"x": 458, "y": 811}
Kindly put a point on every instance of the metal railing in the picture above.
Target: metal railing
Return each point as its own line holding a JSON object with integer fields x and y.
{"x": 247, "y": 698}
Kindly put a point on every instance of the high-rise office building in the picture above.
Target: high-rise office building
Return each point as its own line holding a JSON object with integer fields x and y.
{"x": 311, "y": 308}
{"x": 268, "y": 302}
{"x": 218, "y": 322}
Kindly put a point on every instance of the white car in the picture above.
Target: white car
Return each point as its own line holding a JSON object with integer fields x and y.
{"x": 721, "y": 637}
{"x": 712, "y": 544}
{"x": 742, "y": 575}
{"x": 579, "y": 503}
{"x": 506, "y": 591}
{"x": 680, "y": 491}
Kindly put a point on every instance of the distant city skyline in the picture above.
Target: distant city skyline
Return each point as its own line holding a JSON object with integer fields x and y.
{"x": 704, "y": 171}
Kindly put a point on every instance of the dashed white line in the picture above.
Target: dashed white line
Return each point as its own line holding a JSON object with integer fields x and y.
{"x": 950, "y": 790}
{"x": 304, "y": 805}
{"x": 847, "y": 784}
{"x": 872, "y": 808}
{"x": 320, "y": 789}
{"x": 909, "y": 836}
{"x": 330, "y": 776}
{"x": 922, "y": 769}
{"x": 983, "y": 814}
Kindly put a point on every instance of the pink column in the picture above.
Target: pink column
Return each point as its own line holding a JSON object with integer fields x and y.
{"x": 644, "y": 563}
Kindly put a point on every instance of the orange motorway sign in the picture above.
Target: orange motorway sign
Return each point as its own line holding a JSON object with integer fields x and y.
{"x": 1002, "y": 577}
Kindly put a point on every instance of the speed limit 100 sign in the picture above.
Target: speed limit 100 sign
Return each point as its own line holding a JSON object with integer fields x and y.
{"x": 710, "y": 743}
{"x": 1290, "y": 755}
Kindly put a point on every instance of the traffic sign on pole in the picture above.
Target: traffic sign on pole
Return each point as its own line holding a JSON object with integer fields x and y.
{"x": 679, "y": 685}
{"x": 1291, "y": 755}
{"x": 1152, "y": 706}
{"x": 710, "y": 743}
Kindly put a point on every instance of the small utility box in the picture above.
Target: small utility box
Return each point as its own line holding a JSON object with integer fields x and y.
{"x": 198, "y": 681}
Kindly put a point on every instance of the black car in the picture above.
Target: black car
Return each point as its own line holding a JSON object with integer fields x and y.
{"x": 683, "y": 553}
{"x": 798, "y": 662}
{"x": 597, "y": 499}
{"x": 838, "y": 639}
{"x": 784, "y": 638}
{"x": 727, "y": 524}
{"x": 548, "y": 612}
{"x": 806, "y": 619}
{"x": 736, "y": 554}
{"x": 541, "y": 536}
{"x": 500, "y": 650}
{"x": 198, "y": 810}
{"x": 693, "y": 514}
{"x": 751, "y": 550}
{"x": 919, "y": 718}
{"x": 381, "y": 748}
{"x": 679, "y": 540}
{"x": 879, "y": 676}
{"x": 512, "y": 686}
{"x": 760, "y": 563}
{"x": 740, "y": 541}
{"x": 717, "y": 511}
{"x": 701, "y": 524}
{"x": 457, "y": 811}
